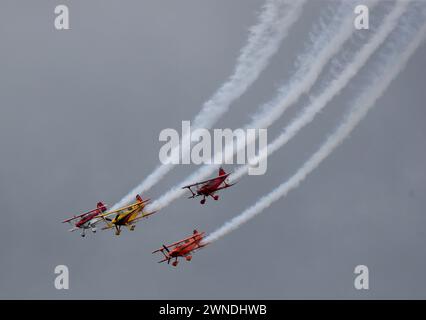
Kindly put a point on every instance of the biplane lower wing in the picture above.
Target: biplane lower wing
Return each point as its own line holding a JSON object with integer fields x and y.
{"x": 168, "y": 247}
{"x": 224, "y": 176}
{"x": 143, "y": 216}
{"x": 227, "y": 185}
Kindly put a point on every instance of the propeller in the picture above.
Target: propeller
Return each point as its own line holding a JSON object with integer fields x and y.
{"x": 168, "y": 251}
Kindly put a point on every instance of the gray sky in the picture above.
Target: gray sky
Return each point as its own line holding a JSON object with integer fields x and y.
{"x": 80, "y": 115}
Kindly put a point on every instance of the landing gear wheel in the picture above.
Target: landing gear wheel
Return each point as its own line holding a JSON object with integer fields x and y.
{"x": 216, "y": 197}
{"x": 83, "y": 235}
{"x": 174, "y": 263}
{"x": 132, "y": 228}
{"x": 203, "y": 201}
{"x": 117, "y": 233}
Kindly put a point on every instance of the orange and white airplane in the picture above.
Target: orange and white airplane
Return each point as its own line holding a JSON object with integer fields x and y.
{"x": 210, "y": 187}
{"x": 182, "y": 248}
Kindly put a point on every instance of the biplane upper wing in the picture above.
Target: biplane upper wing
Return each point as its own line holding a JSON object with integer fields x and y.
{"x": 201, "y": 234}
{"x": 144, "y": 215}
{"x": 101, "y": 207}
{"x": 80, "y": 216}
{"x": 227, "y": 185}
{"x": 199, "y": 246}
{"x": 136, "y": 206}
{"x": 206, "y": 181}
{"x": 76, "y": 217}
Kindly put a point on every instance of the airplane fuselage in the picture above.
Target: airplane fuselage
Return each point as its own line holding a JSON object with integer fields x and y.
{"x": 211, "y": 187}
{"x": 186, "y": 248}
{"x": 126, "y": 218}
{"x": 85, "y": 222}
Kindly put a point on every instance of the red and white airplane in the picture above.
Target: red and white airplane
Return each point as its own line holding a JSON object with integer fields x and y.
{"x": 182, "y": 248}
{"x": 87, "y": 220}
{"x": 209, "y": 187}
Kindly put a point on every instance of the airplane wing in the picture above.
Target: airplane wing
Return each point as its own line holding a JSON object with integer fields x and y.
{"x": 134, "y": 206}
{"x": 199, "y": 246}
{"x": 100, "y": 208}
{"x": 180, "y": 241}
{"x": 100, "y": 218}
{"x": 144, "y": 215}
{"x": 107, "y": 227}
{"x": 71, "y": 219}
{"x": 78, "y": 217}
{"x": 225, "y": 186}
{"x": 164, "y": 260}
{"x": 206, "y": 181}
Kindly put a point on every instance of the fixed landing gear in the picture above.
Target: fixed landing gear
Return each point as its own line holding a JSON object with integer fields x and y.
{"x": 215, "y": 197}
{"x": 132, "y": 228}
{"x": 117, "y": 231}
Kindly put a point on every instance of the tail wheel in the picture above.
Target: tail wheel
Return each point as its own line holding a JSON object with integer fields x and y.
{"x": 174, "y": 263}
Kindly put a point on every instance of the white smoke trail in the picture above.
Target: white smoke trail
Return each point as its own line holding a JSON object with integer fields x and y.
{"x": 274, "y": 23}
{"x": 360, "y": 108}
{"x": 331, "y": 88}
{"x": 313, "y": 61}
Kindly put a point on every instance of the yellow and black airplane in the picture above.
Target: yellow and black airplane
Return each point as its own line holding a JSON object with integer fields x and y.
{"x": 126, "y": 216}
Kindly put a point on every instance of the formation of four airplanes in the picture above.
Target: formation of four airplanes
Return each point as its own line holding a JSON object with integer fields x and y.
{"x": 128, "y": 216}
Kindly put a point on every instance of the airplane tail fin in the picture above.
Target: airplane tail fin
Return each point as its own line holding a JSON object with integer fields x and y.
{"x": 139, "y": 198}
{"x": 101, "y": 206}
{"x": 221, "y": 171}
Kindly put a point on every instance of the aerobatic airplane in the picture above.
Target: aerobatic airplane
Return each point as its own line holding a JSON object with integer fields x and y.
{"x": 209, "y": 187}
{"x": 87, "y": 220}
{"x": 182, "y": 248}
{"x": 126, "y": 216}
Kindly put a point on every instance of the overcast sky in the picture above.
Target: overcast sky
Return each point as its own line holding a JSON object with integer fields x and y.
{"x": 80, "y": 115}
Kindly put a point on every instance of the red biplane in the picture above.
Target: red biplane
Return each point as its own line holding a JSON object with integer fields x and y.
{"x": 210, "y": 187}
{"x": 87, "y": 220}
{"x": 182, "y": 248}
